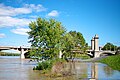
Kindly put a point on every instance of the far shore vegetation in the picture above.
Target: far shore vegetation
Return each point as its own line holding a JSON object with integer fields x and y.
{"x": 9, "y": 54}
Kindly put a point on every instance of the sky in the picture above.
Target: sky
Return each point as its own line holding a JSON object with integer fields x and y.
{"x": 89, "y": 17}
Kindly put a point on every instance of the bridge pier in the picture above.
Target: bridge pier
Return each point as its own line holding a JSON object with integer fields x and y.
{"x": 22, "y": 56}
{"x": 96, "y": 54}
{"x": 22, "y": 53}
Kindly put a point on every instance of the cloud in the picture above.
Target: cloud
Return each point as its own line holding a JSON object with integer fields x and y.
{"x": 20, "y": 31}
{"x": 2, "y": 35}
{"x": 26, "y": 9}
{"x": 53, "y": 13}
{"x": 7, "y": 21}
{"x": 9, "y": 15}
{"x": 37, "y": 8}
{"x": 10, "y": 11}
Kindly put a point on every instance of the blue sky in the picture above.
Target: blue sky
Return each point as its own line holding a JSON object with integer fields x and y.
{"x": 89, "y": 17}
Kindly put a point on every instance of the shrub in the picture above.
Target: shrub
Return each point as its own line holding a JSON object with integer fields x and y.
{"x": 47, "y": 65}
{"x": 43, "y": 65}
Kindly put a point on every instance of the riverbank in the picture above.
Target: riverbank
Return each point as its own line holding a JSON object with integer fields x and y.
{"x": 112, "y": 61}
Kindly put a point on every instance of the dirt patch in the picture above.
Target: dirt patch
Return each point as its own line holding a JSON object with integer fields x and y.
{"x": 59, "y": 70}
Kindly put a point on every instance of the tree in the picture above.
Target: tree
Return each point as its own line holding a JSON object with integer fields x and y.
{"x": 79, "y": 41}
{"x": 49, "y": 38}
{"x": 46, "y": 36}
{"x": 69, "y": 44}
{"x": 109, "y": 46}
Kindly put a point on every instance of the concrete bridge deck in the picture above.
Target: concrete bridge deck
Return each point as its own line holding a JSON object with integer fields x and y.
{"x": 22, "y": 50}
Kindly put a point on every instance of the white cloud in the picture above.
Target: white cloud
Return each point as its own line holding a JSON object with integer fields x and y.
{"x": 53, "y": 13}
{"x": 8, "y": 15}
{"x": 37, "y": 8}
{"x": 20, "y": 31}
{"x": 2, "y": 35}
{"x": 6, "y": 21}
{"x": 26, "y": 9}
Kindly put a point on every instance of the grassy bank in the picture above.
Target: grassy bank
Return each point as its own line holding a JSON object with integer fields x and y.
{"x": 112, "y": 61}
{"x": 9, "y": 54}
{"x": 82, "y": 56}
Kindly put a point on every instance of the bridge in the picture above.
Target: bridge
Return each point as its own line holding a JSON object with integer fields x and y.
{"x": 101, "y": 53}
{"x": 22, "y": 50}
{"x": 96, "y": 51}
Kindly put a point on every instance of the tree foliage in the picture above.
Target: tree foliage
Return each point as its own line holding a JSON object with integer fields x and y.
{"x": 109, "y": 46}
{"x": 79, "y": 41}
{"x": 49, "y": 37}
{"x": 46, "y": 36}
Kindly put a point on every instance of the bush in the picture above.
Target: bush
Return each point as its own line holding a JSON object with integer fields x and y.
{"x": 43, "y": 65}
{"x": 47, "y": 65}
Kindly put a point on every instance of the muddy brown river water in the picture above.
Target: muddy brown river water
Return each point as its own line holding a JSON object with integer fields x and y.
{"x": 13, "y": 68}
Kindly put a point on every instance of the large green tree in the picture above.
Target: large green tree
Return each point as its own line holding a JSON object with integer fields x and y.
{"x": 46, "y": 36}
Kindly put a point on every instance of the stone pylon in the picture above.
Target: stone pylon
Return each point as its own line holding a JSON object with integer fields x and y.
{"x": 96, "y": 46}
{"x": 96, "y": 43}
{"x": 92, "y": 44}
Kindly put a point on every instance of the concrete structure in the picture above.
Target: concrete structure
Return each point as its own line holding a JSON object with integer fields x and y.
{"x": 22, "y": 50}
{"x": 96, "y": 44}
{"x": 92, "y": 44}
{"x": 96, "y": 50}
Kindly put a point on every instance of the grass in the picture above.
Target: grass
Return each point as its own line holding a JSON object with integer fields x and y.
{"x": 82, "y": 56}
{"x": 112, "y": 61}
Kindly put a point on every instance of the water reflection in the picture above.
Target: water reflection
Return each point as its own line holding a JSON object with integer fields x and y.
{"x": 16, "y": 69}
{"x": 94, "y": 71}
{"x": 108, "y": 71}
{"x": 79, "y": 70}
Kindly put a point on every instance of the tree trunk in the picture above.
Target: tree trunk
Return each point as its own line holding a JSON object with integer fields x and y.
{"x": 60, "y": 54}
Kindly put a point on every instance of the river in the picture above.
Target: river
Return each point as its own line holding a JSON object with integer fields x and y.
{"x": 13, "y": 68}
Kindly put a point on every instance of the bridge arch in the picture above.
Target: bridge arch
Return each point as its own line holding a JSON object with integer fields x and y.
{"x": 106, "y": 53}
